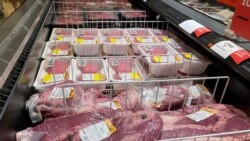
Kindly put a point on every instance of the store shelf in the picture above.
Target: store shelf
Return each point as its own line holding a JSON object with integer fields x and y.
{"x": 176, "y": 13}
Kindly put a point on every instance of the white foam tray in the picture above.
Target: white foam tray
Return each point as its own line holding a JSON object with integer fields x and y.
{"x": 39, "y": 85}
{"x": 78, "y": 72}
{"x": 55, "y": 34}
{"x": 165, "y": 68}
{"x": 50, "y": 45}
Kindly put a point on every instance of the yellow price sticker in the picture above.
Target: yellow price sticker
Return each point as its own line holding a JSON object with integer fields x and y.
{"x": 178, "y": 59}
{"x": 47, "y": 78}
{"x": 117, "y": 104}
{"x": 59, "y": 37}
{"x": 111, "y": 127}
{"x": 113, "y": 40}
{"x": 80, "y": 40}
{"x": 212, "y": 111}
{"x": 188, "y": 55}
{"x": 56, "y": 51}
{"x": 140, "y": 39}
{"x": 72, "y": 94}
{"x": 98, "y": 77}
{"x": 165, "y": 38}
{"x": 158, "y": 59}
{"x": 135, "y": 75}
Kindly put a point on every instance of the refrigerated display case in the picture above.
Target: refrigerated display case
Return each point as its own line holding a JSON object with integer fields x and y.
{"x": 160, "y": 88}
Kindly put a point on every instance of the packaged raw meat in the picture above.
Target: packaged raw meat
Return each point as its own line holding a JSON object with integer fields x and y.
{"x": 61, "y": 34}
{"x": 86, "y": 45}
{"x": 173, "y": 97}
{"x": 59, "y": 100}
{"x": 162, "y": 60}
{"x": 57, "y": 49}
{"x": 163, "y": 36}
{"x": 116, "y": 45}
{"x": 121, "y": 99}
{"x": 140, "y": 36}
{"x": 101, "y": 16}
{"x": 113, "y": 32}
{"x": 54, "y": 70}
{"x": 134, "y": 14}
{"x": 193, "y": 65}
{"x": 91, "y": 70}
{"x": 124, "y": 69}
{"x": 85, "y": 32}
{"x": 107, "y": 124}
{"x": 204, "y": 120}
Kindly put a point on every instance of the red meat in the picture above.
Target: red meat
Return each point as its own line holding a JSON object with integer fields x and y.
{"x": 101, "y": 16}
{"x": 227, "y": 119}
{"x": 158, "y": 51}
{"x": 123, "y": 66}
{"x": 90, "y": 68}
{"x": 58, "y": 67}
{"x": 62, "y": 45}
{"x": 113, "y": 32}
{"x": 134, "y": 14}
{"x": 139, "y": 32}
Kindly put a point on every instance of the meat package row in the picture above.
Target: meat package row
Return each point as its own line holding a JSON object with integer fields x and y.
{"x": 109, "y": 69}
{"x": 73, "y": 112}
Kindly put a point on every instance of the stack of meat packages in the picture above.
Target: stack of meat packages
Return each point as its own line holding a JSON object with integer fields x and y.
{"x": 75, "y": 112}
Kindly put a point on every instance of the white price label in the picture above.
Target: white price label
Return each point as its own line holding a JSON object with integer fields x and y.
{"x": 87, "y": 77}
{"x": 155, "y": 95}
{"x": 113, "y": 105}
{"x": 58, "y": 93}
{"x": 98, "y": 131}
{"x": 190, "y": 26}
{"x": 225, "y": 48}
{"x": 202, "y": 114}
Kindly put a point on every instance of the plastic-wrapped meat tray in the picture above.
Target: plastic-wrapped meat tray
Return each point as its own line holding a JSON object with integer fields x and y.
{"x": 162, "y": 60}
{"x": 61, "y": 34}
{"x": 53, "y": 71}
{"x": 69, "y": 19}
{"x": 101, "y": 16}
{"x": 163, "y": 36}
{"x": 86, "y": 42}
{"x": 140, "y": 36}
{"x": 58, "y": 49}
{"x": 134, "y": 15}
{"x": 90, "y": 70}
{"x": 124, "y": 69}
{"x": 115, "y": 42}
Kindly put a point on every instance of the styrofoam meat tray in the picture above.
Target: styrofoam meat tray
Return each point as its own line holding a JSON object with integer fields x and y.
{"x": 58, "y": 49}
{"x": 53, "y": 71}
{"x": 61, "y": 34}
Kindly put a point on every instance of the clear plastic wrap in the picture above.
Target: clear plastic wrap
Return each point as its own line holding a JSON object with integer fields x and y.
{"x": 227, "y": 118}
{"x": 53, "y": 102}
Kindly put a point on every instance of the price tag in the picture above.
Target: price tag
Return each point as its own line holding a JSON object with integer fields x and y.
{"x": 166, "y": 59}
{"x": 58, "y": 93}
{"x": 80, "y": 40}
{"x": 48, "y": 78}
{"x": 114, "y": 63}
{"x": 94, "y": 77}
{"x": 114, "y": 105}
{"x": 190, "y": 26}
{"x": 201, "y": 31}
{"x": 228, "y": 48}
{"x": 60, "y": 52}
{"x": 98, "y": 131}
{"x": 240, "y": 56}
{"x": 202, "y": 114}
{"x": 165, "y": 38}
{"x": 130, "y": 76}
{"x": 118, "y": 41}
{"x": 140, "y": 39}
{"x": 154, "y": 96}
{"x": 59, "y": 37}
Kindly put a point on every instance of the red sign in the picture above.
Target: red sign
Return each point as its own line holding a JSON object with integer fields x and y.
{"x": 241, "y": 19}
{"x": 240, "y": 56}
{"x": 201, "y": 31}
